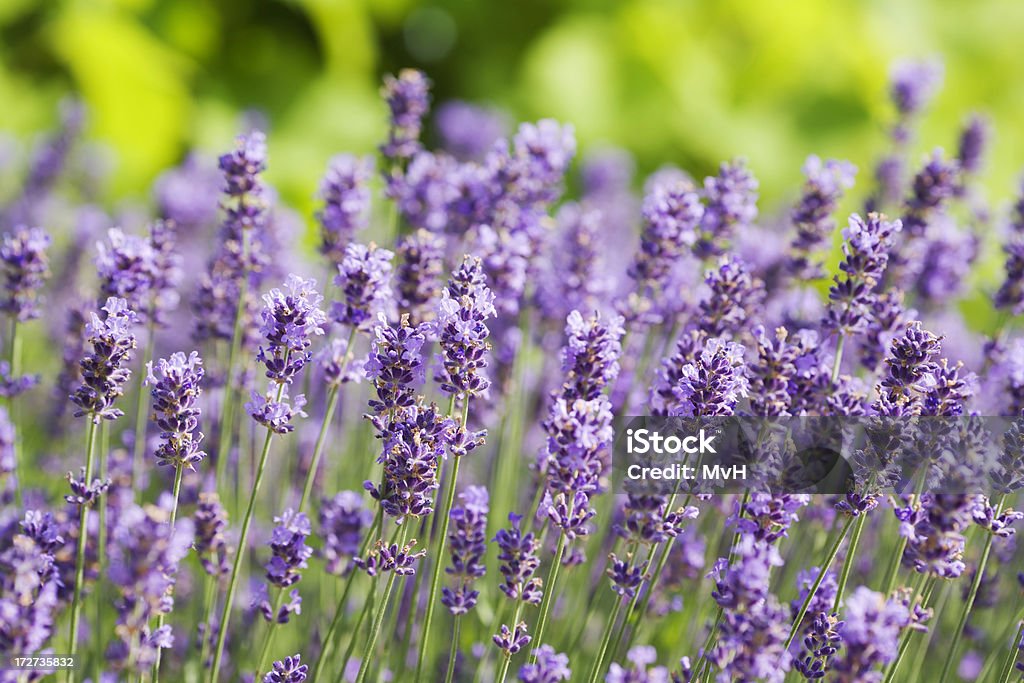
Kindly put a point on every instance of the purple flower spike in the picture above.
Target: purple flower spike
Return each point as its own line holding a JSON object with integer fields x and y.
{"x": 871, "y": 635}
{"x": 395, "y": 365}
{"x": 210, "y": 520}
{"x": 288, "y": 670}
{"x": 387, "y": 558}
{"x": 550, "y": 667}
{"x": 29, "y": 585}
{"x": 933, "y": 186}
{"x": 712, "y": 385}
{"x": 408, "y": 98}
{"x": 461, "y": 328}
{"x": 289, "y": 320}
{"x": 640, "y": 669}
{"x": 734, "y": 297}
{"x": 512, "y": 640}
{"x": 418, "y": 275}
{"x": 290, "y": 553}
{"x": 343, "y": 519}
{"x": 590, "y": 357}
{"x": 363, "y": 277}
{"x": 103, "y": 371}
{"x": 176, "y": 411}
{"x": 812, "y": 217}
{"x": 974, "y": 139}
{"x": 469, "y": 131}
{"x": 26, "y": 267}
{"x": 274, "y": 412}
{"x": 913, "y": 84}
{"x": 346, "y": 195}
{"x": 467, "y": 538}
{"x": 126, "y": 266}
{"x": 519, "y": 560}
{"x": 731, "y": 203}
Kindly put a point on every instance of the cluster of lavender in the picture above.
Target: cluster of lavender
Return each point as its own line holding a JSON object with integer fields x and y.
{"x": 445, "y": 466}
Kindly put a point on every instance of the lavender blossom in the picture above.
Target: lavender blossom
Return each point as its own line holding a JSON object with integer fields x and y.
{"x": 103, "y": 371}
{"x": 512, "y": 640}
{"x": 209, "y": 521}
{"x": 913, "y": 84}
{"x": 821, "y": 643}
{"x": 519, "y": 561}
{"x": 395, "y": 365}
{"x": 469, "y": 131}
{"x": 713, "y": 384}
{"x": 363, "y": 278}
{"x": 426, "y": 191}
{"x": 641, "y": 658}
{"x": 911, "y": 361}
{"x": 462, "y": 331}
{"x": 346, "y": 196}
{"x": 1011, "y": 293}
{"x": 871, "y": 633}
{"x": 577, "y": 277}
{"x": 933, "y": 186}
{"x": 26, "y": 267}
{"x": 974, "y": 139}
{"x": 418, "y": 275}
{"x": 731, "y": 202}
{"x": 590, "y": 357}
{"x": 126, "y": 266}
{"x": 176, "y": 408}
{"x": 467, "y": 542}
{"x": 391, "y": 558}
{"x": 550, "y": 667}
{"x": 812, "y": 217}
{"x": 734, "y": 297}
{"x": 288, "y": 670}
{"x": 187, "y": 195}
{"x": 343, "y": 519}
{"x": 408, "y": 98}
{"x": 290, "y": 553}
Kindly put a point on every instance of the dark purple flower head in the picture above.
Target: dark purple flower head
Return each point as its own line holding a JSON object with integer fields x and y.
{"x": 641, "y": 667}
{"x": 933, "y": 186}
{"x": 713, "y": 384}
{"x": 590, "y": 357}
{"x": 648, "y": 520}
{"x": 210, "y": 520}
{"x": 387, "y": 558}
{"x": 427, "y": 189}
{"x": 85, "y": 492}
{"x": 745, "y": 582}
{"x": 518, "y": 557}
{"x": 853, "y": 295}
{"x": 26, "y": 267}
{"x": 288, "y": 670}
{"x": 625, "y": 576}
{"x": 408, "y": 99}
{"x": 176, "y": 411}
{"x": 290, "y": 319}
{"x": 934, "y": 532}
{"x": 812, "y": 217}
{"x": 512, "y": 640}
{"x": 188, "y": 194}
{"x": 343, "y": 519}
{"x": 461, "y": 328}
{"x": 550, "y": 667}
{"x": 974, "y": 139}
{"x": 346, "y": 195}
{"x": 913, "y": 84}
{"x": 418, "y": 275}
{"x": 780, "y": 372}
{"x": 126, "y": 266}
{"x": 29, "y": 584}
{"x": 469, "y": 131}
{"x": 103, "y": 371}
{"x": 274, "y": 410}
{"x": 364, "y": 280}
{"x": 11, "y": 386}
{"x": 767, "y": 517}
{"x": 672, "y": 212}
{"x": 395, "y": 365}
{"x": 241, "y": 168}
{"x": 579, "y": 435}
{"x": 288, "y": 543}
{"x": 570, "y": 513}
{"x": 911, "y": 362}
{"x": 734, "y": 297}
{"x": 467, "y": 542}
{"x": 821, "y": 642}
{"x": 731, "y": 203}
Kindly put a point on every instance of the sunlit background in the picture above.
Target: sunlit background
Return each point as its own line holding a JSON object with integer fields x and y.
{"x": 685, "y": 82}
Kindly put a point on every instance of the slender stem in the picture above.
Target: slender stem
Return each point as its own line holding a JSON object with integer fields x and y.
{"x": 851, "y": 552}
{"x": 179, "y": 470}
{"x": 1011, "y": 657}
{"x": 268, "y": 640}
{"x": 227, "y": 416}
{"x": 438, "y": 555}
{"x": 905, "y": 642}
{"x": 829, "y": 559}
{"x": 101, "y": 545}
{"x": 382, "y": 609}
{"x": 506, "y": 658}
{"x": 83, "y": 534}
{"x": 549, "y": 590}
{"x": 454, "y": 651}
{"x": 240, "y": 552}
{"x": 605, "y": 640}
{"x": 142, "y": 407}
{"x": 339, "y": 612}
{"x": 318, "y": 449}
{"x": 15, "y": 367}
{"x": 979, "y": 574}
{"x": 839, "y": 358}
{"x": 350, "y": 650}
{"x": 211, "y": 607}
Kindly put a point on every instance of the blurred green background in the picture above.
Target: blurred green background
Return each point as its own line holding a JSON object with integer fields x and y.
{"x": 687, "y": 82}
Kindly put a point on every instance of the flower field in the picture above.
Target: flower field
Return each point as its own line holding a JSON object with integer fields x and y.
{"x": 231, "y": 452}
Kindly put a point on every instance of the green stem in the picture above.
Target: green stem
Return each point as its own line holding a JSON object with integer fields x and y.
{"x": 905, "y": 642}
{"x": 179, "y": 470}
{"x": 339, "y": 612}
{"x": 332, "y": 402}
{"x": 851, "y": 552}
{"x": 350, "y": 650}
{"x": 83, "y": 534}
{"x": 382, "y": 609}
{"x": 829, "y": 559}
{"x": 101, "y": 544}
{"x": 15, "y": 367}
{"x": 947, "y": 667}
{"x": 839, "y": 358}
{"x": 268, "y": 640}
{"x": 454, "y": 650}
{"x": 605, "y": 640}
{"x": 1011, "y": 657}
{"x": 506, "y": 658}
{"x": 549, "y": 590}
{"x": 438, "y": 555}
{"x": 229, "y": 598}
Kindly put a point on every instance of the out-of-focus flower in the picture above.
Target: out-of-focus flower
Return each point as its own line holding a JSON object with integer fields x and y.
{"x": 26, "y": 267}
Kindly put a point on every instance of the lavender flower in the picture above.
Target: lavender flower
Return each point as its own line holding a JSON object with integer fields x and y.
{"x": 391, "y": 558}
{"x": 29, "y": 584}
{"x": 734, "y": 297}
{"x": 427, "y": 190}
{"x": 467, "y": 539}
{"x": 853, "y": 295}
{"x": 731, "y": 202}
{"x": 933, "y": 186}
{"x": 288, "y": 670}
{"x": 103, "y": 371}
{"x": 641, "y": 658}
{"x": 187, "y": 195}
{"x": 418, "y": 275}
{"x": 1011, "y": 293}
{"x": 343, "y": 519}
{"x": 590, "y": 357}
{"x": 576, "y": 278}
{"x": 126, "y": 265}
{"x": 469, "y": 131}
{"x": 176, "y": 408}
{"x": 519, "y": 561}
{"x": 346, "y": 197}
{"x": 26, "y": 267}
{"x": 821, "y": 643}
{"x": 512, "y": 640}
{"x": 913, "y": 84}
{"x": 870, "y": 635}
{"x": 290, "y": 553}
{"x": 974, "y": 139}
{"x": 363, "y": 279}
{"x": 408, "y": 98}
{"x": 911, "y": 361}
{"x": 462, "y": 331}
{"x": 812, "y": 216}
{"x": 934, "y": 532}
{"x": 550, "y": 667}
{"x": 210, "y": 520}
{"x": 712, "y": 385}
